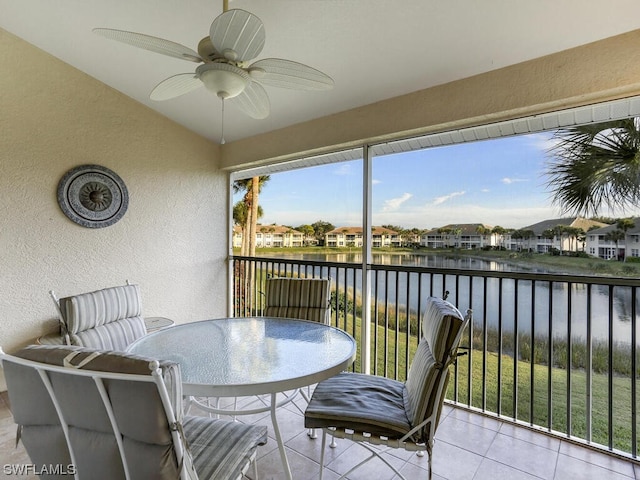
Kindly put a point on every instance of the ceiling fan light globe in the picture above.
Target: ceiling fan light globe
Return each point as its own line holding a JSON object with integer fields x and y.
{"x": 226, "y": 81}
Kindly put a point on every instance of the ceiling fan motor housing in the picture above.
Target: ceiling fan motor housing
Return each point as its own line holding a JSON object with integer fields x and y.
{"x": 223, "y": 79}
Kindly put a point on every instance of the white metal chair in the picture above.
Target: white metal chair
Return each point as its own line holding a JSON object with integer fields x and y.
{"x": 373, "y": 410}
{"x": 107, "y": 319}
{"x": 109, "y": 415}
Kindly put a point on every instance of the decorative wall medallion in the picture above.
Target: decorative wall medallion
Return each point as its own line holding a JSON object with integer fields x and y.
{"x": 93, "y": 196}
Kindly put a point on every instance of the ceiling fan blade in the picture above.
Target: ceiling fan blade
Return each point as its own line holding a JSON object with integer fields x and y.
{"x": 282, "y": 73}
{"x": 238, "y": 35}
{"x": 154, "y": 44}
{"x": 175, "y": 86}
{"x": 253, "y": 101}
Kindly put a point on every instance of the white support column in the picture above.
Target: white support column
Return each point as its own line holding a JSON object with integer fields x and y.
{"x": 230, "y": 272}
{"x": 367, "y": 258}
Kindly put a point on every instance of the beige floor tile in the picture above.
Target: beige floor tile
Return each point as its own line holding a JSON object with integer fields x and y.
{"x": 571, "y": 468}
{"x": 523, "y": 456}
{"x": 468, "y": 447}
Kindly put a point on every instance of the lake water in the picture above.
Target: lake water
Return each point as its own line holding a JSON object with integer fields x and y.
{"x": 488, "y": 295}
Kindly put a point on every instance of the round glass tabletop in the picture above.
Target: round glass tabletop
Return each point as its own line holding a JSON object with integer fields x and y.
{"x": 249, "y": 356}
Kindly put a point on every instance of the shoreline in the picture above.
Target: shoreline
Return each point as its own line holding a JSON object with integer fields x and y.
{"x": 591, "y": 266}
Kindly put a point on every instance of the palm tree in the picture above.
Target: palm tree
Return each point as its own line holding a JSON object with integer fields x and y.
{"x": 615, "y": 236}
{"x": 249, "y": 213}
{"x": 574, "y": 233}
{"x": 251, "y": 187}
{"x": 483, "y": 231}
{"x": 625, "y": 224}
{"x": 596, "y": 165}
{"x": 240, "y": 218}
{"x": 499, "y": 232}
{"x": 522, "y": 234}
{"x": 620, "y": 233}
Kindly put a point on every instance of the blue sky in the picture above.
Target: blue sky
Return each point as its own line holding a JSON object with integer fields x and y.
{"x": 496, "y": 182}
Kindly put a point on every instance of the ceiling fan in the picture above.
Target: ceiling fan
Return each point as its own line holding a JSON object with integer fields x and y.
{"x": 235, "y": 38}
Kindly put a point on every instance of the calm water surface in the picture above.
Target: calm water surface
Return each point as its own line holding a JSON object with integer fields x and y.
{"x": 402, "y": 289}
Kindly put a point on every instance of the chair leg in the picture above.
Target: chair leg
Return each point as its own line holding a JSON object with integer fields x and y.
{"x": 324, "y": 444}
{"x": 255, "y": 468}
{"x": 373, "y": 453}
{"x": 311, "y": 432}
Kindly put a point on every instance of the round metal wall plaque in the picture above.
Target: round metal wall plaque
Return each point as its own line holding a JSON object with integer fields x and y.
{"x": 93, "y": 196}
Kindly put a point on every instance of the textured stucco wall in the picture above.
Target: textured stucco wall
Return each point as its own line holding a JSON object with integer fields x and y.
{"x": 597, "y": 72}
{"x": 172, "y": 240}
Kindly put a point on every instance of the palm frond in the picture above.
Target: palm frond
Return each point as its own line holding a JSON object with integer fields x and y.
{"x": 595, "y": 166}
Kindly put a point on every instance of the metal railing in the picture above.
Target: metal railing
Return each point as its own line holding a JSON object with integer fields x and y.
{"x": 555, "y": 352}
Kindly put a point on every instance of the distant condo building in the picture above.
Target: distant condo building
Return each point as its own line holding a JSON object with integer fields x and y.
{"x": 271, "y": 236}
{"x": 467, "y": 236}
{"x": 574, "y": 234}
{"x": 601, "y": 243}
{"x": 353, "y": 237}
{"x": 561, "y": 234}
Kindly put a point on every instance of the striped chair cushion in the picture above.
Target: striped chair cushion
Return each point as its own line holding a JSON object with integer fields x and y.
{"x": 222, "y": 449}
{"x": 364, "y": 403}
{"x": 108, "y": 319}
{"x": 303, "y": 298}
{"x": 113, "y": 336}
{"x": 90, "y": 310}
{"x": 442, "y": 328}
{"x": 441, "y": 325}
{"x": 313, "y": 314}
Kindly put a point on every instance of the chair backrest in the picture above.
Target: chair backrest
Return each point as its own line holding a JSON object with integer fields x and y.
{"x": 107, "y": 319}
{"x": 105, "y": 415}
{"x": 428, "y": 375}
{"x": 304, "y": 298}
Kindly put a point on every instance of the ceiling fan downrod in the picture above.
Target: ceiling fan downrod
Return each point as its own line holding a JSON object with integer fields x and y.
{"x": 222, "y": 123}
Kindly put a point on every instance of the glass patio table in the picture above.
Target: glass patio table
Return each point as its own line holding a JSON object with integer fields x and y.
{"x": 246, "y": 356}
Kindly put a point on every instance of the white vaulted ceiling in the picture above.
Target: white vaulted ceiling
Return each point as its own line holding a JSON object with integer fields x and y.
{"x": 373, "y": 49}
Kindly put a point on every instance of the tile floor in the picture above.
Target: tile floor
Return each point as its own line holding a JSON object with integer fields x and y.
{"x": 468, "y": 447}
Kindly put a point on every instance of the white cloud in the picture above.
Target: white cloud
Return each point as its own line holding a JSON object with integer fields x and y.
{"x": 485, "y": 190}
{"x": 429, "y": 217}
{"x": 444, "y": 198}
{"x": 376, "y": 182}
{"x": 394, "y": 203}
{"x": 544, "y": 142}
{"x": 509, "y": 180}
